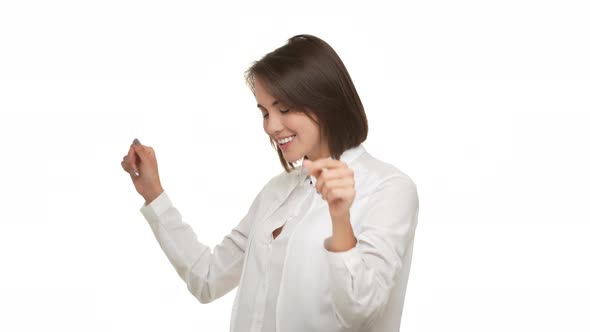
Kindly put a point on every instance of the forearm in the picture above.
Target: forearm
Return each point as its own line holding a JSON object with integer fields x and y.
{"x": 343, "y": 238}
{"x": 207, "y": 274}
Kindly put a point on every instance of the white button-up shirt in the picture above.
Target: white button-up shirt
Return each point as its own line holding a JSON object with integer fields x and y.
{"x": 293, "y": 283}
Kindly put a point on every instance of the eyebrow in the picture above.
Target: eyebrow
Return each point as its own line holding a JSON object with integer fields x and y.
{"x": 273, "y": 103}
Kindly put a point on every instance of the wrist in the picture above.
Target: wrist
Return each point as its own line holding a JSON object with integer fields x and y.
{"x": 340, "y": 220}
{"x": 150, "y": 197}
{"x": 343, "y": 238}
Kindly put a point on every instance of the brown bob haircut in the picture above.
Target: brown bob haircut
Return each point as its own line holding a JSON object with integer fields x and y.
{"x": 307, "y": 75}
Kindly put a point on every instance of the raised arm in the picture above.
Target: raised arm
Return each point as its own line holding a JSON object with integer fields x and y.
{"x": 364, "y": 276}
{"x": 209, "y": 274}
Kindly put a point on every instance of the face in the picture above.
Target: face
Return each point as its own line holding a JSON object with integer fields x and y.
{"x": 280, "y": 122}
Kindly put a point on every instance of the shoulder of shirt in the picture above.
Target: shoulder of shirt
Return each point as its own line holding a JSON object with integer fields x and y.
{"x": 374, "y": 173}
{"x": 371, "y": 173}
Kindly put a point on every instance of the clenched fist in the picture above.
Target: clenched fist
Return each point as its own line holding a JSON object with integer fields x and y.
{"x": 335, "y": 182}
{"x": 141, "y": 164}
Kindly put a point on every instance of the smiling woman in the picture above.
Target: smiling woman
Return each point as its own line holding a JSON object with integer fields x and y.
{"x": 308, "y": 76}
{"x": 296, "y": 133}
{"x": 325, "y": 246}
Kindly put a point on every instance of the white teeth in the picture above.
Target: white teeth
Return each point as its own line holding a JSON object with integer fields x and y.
{"x": 286, "y": 140}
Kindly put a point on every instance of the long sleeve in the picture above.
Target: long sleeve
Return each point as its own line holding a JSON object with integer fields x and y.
{"x": 208, "y": 274}
{"x": 363, "y": 277}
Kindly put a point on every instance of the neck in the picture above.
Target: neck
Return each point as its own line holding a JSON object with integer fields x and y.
{"x": 324, "y": 153}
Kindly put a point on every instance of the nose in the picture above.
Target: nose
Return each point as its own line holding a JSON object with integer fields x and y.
{"x": 274, "y": 124}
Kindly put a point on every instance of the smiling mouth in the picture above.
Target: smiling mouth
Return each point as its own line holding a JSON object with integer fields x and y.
{"x": 286, "y": 144}
{"x": 286, "y": 140}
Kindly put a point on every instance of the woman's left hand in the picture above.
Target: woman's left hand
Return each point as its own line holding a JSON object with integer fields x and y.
{"x": 335, "y": 182}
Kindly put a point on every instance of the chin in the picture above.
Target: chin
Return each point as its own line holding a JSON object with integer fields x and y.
{"x": 292, "y": 159}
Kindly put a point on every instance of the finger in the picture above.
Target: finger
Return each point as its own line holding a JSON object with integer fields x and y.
{"x": 336, "y": 184}
{"x": 124, "y": 163}
{"x": 333, "y": 174}
{"x": 340, "y": 183}
{"x": 315, "y": 168}
{"x": 346, "y": 194}
{"x": 340, "y": 194}
{"x": 144, "y": 152}
{"x": 133, "y": 161}
{"x": 127, "y": 167}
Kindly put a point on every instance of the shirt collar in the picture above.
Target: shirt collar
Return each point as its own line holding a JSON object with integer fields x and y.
{"x": 347, "y": 157}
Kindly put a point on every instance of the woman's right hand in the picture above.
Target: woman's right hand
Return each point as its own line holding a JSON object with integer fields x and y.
{"x": 142, "y": 159}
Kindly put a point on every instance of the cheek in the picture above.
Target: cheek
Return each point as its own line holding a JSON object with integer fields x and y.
{"x": 312, "y": 130}
{"x": 295, "y": 123}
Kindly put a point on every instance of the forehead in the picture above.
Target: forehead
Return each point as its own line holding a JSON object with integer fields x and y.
{"x": 260, "y": 91}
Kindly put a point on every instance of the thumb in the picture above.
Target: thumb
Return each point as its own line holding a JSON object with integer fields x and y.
{"x": 312, "y": 168}
{"x": 133, "y": 158}
{"x": 306, "y": 163}
{"x": 142, "y": 151}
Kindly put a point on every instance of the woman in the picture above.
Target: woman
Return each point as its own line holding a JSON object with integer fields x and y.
{"x": 326, "y": 245}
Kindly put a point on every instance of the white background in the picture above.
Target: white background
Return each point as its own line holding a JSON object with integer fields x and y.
{"x": 483, "y": 104}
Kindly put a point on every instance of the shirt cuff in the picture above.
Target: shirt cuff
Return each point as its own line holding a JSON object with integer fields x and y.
{"x": 156, "y": 208}
{"x": 345, "y": 261}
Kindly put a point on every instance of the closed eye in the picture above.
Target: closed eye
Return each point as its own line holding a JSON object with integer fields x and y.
{"x": 265, "y": 115}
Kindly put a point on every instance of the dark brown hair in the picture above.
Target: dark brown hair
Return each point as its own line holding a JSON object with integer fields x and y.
{"x": 306, "y": 74}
